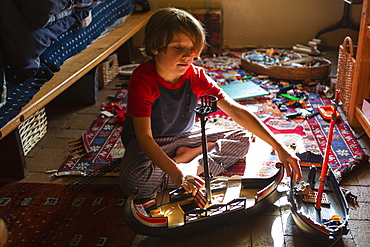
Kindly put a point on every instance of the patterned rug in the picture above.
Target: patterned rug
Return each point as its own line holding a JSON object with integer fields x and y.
{"x": 104, "y": 141}
{"x": 301, "y": 133}
{"x": 346, "y": 153}
{"x": 103, "y": 138}
{"x": 304, "y": 134}
{"x": 53, "y": 215}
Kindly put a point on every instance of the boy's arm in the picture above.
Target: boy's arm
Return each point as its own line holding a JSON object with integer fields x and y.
{"x": 155, "y": 153}
{"x": 250, "y": 122}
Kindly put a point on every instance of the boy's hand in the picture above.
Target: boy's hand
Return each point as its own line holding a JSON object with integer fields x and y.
{"x": 291, "y": 164}
{"x": 192, "y": 184}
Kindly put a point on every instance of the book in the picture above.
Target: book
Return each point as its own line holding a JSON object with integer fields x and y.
{"x": 242, "y": 90}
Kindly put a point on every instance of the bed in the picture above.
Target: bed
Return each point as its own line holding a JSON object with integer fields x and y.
{"x": 38, "y": 36}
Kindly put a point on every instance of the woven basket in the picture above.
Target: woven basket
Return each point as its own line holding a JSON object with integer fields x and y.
{"x": 32, "y": 130}
{"x": 107, "y": 70}
{"x": 289, "y": 73}
{"x": 345, "y": 69}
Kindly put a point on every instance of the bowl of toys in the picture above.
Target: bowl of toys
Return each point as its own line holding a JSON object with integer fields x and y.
{"x": 285, "y": 64}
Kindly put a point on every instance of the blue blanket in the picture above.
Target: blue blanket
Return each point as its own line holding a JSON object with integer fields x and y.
{"x": 38, "y": 36}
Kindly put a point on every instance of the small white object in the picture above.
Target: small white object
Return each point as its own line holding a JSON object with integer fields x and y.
{"x": 107, "y": 113}
{"x": 127, "y": 69}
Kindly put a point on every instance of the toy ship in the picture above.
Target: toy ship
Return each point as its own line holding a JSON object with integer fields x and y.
{"x": 319, "y": 207}
{"x": 327, "y": 224}
{"x": 233, "y": 199}
{"x": 223, "y": 200}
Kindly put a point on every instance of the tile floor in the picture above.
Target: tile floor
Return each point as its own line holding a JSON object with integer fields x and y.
{"x": 274, "y": 227}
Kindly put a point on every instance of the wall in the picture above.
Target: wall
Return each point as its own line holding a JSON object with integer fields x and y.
{"x": 274, "y": 23}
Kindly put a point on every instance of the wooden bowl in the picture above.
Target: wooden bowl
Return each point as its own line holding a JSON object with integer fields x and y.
{"x": 288, "y": 72}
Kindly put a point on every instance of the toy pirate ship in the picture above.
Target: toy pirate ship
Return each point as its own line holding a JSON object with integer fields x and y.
{"x": 223, "y": 200}
{"x": 319, "y": 207}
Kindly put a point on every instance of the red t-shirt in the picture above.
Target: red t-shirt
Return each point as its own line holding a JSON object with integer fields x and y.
{"x": 170, "y": 106}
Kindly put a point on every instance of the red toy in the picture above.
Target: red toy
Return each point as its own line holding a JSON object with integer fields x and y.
{"x": 327, "y": 111}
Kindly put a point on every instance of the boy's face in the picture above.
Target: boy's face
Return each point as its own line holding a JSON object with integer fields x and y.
{"x": 177, "y": 58}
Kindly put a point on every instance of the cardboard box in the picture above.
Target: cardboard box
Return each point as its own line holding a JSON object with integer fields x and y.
{"x": 366, "y": 108}
{"x": 212, "y": 20}
{"x": 83, "y": 92}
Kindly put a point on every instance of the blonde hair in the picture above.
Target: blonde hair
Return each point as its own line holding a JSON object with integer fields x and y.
{"x": 167, "y": 22}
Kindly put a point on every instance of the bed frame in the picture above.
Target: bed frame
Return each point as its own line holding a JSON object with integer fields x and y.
{"x": 12, "y": 159}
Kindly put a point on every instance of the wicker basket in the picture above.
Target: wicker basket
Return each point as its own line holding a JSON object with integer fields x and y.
{"x": 107, "y": 70}
{"x": 289, "y": 73}
{"x": 32, "y": 130}
{"x": 345, "y": 69}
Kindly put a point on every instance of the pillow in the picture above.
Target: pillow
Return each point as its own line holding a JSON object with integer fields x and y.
{"x": 41, "y": 13}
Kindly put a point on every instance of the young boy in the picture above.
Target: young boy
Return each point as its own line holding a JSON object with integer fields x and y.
{"x": 163, "y": 148}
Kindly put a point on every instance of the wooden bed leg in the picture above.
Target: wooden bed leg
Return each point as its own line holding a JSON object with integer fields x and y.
{"x": 12, "y": 160}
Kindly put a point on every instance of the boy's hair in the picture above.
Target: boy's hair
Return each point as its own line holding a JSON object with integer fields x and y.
{"x": 165, "y": 23}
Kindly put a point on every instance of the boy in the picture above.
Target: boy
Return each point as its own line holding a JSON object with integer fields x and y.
{"x": 163, "y": 149}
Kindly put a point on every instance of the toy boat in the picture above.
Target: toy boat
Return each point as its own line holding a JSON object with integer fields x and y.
{"x": 326, "y": 111}
{"x": 234, "y": 199}
{"x": 223, "y": 200}
{"x": 320, "y": 210}
{"x": 327, "y": 224}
